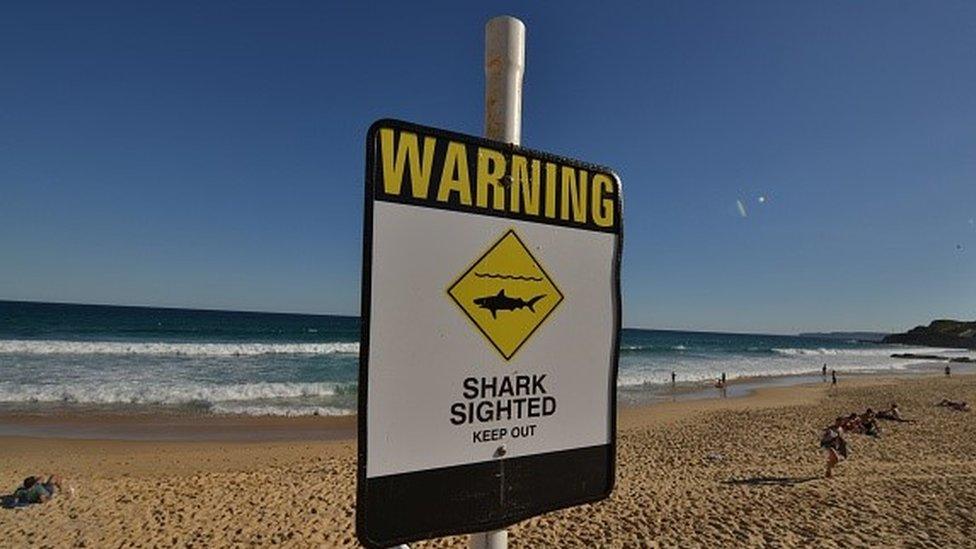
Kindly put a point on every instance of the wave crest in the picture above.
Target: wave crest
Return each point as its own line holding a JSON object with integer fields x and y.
{"x": 61, "y": 347}
{"x": 164, "y": 394}
{"x": 272, "y": 410}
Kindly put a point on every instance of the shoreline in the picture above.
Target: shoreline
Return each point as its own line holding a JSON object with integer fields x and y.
{"x": 746, "y": 385}
{"x": 155, "y": 425}
{"x": 740, "y": 471}
{"x": 177, "y": 427}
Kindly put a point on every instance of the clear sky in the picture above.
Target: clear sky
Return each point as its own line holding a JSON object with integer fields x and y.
{"x": 210, "y": 154}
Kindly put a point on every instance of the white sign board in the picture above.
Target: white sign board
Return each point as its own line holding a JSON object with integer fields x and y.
{"x": 491, "y": 315}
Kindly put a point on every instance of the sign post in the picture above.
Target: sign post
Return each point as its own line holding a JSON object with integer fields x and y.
{"x": 504, "y": 67}
{"x": 490, "y": 324}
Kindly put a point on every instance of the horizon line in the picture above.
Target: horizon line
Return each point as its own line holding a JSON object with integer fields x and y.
{"x": 292, "y": 313}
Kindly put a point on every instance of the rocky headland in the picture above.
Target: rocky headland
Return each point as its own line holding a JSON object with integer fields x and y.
{"x": 954, "y": 334}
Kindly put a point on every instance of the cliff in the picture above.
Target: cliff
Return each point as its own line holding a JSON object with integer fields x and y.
{"x": 940, "y": 333}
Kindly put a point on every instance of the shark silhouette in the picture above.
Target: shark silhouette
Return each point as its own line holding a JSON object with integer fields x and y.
{"x": 501, "y": 302}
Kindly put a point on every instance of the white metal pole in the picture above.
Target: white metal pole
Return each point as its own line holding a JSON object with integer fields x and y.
{"x": 495, "y": 539}
{"x": 504, "y": 67}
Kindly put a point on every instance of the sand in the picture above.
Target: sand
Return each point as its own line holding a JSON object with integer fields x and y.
{"x": 713, "y": 473}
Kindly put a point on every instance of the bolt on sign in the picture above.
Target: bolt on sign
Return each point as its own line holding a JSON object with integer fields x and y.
{"x": 491, "y": 318}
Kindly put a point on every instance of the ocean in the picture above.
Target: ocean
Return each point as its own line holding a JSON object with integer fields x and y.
{"x": 58, "y": 357}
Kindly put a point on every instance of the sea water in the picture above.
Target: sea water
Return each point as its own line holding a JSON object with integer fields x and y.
{"x": 140, "y": 359}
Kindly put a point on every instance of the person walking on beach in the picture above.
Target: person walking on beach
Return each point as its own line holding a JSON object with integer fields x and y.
{"x": 948, "y": 370}
{"x": 672, "y": 380}
{"x": 723, "y": 380}
{"x": 823, "y": 372}
{"x": 833, "y": 378}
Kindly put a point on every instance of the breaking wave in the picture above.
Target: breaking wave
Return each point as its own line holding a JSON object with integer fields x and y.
{"x": 274, "y": 410}
{"x": 875, "y": 352}
{"x": 134, "y": 392}
{"x": 62, "y": 347}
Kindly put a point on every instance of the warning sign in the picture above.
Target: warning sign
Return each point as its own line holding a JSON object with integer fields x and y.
{"x": 506, "y": 294}
{"x": 490, "y": 324}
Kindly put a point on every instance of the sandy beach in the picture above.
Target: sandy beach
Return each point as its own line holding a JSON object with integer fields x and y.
{"x": 698, "y": 473}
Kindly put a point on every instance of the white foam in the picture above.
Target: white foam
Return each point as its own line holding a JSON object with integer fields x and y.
{"x": 61, "y": 347}
{"x": 876, "y": 352}
{"x": 635, "y": 347}
{"x": 272, "y": 410}
{"x": 639, "y": 378}
{"x": 637, "y": 370}
{"x": 134, "y": 392}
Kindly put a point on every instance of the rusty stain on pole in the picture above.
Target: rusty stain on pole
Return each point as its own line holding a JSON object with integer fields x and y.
{"x": 504, "y": 68}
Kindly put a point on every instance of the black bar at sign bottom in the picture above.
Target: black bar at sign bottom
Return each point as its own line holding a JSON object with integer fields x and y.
{"x": 481, "y": 496}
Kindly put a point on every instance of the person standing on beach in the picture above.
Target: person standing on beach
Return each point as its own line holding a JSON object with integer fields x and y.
{"x": 672, "y": 380}
{"x": 948, "y": 370}
{"x": 823, "y": 372}
{"x": 834, "y": 446}
{"x": 720, "y": 384}
{"x": 833, "y": 378}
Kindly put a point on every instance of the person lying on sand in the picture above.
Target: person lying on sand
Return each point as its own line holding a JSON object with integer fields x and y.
{"x": 893, "y": 414}
{"x": 850, "y": 423}
{"x": 34, "y": 490}
{"x": 834, "y": 446}
{"x": 959, "y": 406}
{"x": 869, "y": 426}
{"x": 863, "y": 424}
{"x": 38, "y": 490}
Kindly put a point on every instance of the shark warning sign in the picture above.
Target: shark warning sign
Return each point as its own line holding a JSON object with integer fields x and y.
{"x": 490, "y": 329}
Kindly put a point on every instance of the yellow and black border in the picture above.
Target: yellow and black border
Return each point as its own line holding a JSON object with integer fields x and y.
{"x": 489, "y": 495}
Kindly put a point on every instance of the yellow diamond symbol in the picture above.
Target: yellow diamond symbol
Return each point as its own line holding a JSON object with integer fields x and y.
{"x": 507, "y": 294}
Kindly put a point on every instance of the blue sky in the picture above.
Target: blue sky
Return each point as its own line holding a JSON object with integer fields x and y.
{"x": 210, "y": 154}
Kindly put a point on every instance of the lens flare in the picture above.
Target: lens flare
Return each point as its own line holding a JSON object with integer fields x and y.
{"x": 742, "y": 208}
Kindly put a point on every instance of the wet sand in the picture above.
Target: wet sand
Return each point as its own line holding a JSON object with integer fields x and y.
{"x": 694, "y": 473}
{"x": 177, "y": 427}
